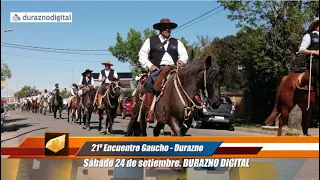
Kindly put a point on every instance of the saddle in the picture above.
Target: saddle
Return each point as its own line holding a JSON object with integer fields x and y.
{"x": 303, "y": 81}
{"x": 163, "y": 77}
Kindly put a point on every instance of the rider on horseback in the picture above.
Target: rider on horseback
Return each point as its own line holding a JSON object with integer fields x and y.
{"x": 85, "y": 80}
{"x": 55, "y": 88}
{"x": 156, "y": 53}
{"x": 74, "y": 92}
{"x": 310, "y": 46}
{"x": 106, "y": 76}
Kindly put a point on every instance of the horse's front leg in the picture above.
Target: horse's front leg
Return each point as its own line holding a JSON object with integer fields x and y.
{"x": 100, "y": 112}
{"x": 88, "y": 114}
{"x": 108, "y": 122}
{"x": 157, "y": 129}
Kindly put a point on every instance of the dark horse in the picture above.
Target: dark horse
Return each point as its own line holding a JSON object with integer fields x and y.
{"x": 87, "y": 106}
{"x": 177, "y": 105}
{"x": 75, "y": 109}
{"x": 57, "y": 104}
{"x": 109, "y": 105}
{"x": 289, "y": 94}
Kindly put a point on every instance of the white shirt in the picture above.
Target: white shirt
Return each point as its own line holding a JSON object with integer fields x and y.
{"x": 115, "y": 75}
{"x": 45, "y": 95}
{"x": 166, "y": 59}
{"x": 92, "y": 81}
{"x": 306, "y": 41}
{"x": 72, "y": 91}
{"x": 34, "y": 97}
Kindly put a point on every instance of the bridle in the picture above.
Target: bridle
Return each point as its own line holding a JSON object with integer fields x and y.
{"x": 111, "y": 91}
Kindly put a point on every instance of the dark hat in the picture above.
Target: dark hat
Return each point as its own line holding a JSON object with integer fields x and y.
{"x": 165, "y": 22}
{"x": 312, "y": 24}
{"x": 75, "y": 85}
{"x": 56, "y": 84}
{"x": 87, "y": 71}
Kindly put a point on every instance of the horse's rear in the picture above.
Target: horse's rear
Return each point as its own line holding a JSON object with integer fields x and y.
{"x": 292, "y": 91}
{"x": 74, "y": 108}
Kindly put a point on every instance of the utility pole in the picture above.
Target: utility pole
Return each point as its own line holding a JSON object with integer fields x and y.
{"x": 72, "y": 77}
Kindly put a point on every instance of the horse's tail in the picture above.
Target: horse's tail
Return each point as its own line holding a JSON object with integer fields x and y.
{"x": 276, "y": 108}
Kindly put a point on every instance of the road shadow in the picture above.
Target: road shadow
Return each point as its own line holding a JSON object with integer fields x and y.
{"x": 14, "y": 127}
{"x": 24, "y": 133}
{"x": 14, "y": 120}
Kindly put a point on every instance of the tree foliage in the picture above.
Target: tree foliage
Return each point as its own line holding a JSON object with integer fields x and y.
{"x": 5, "y": 71}
{"x": 25, "y": 91}
{"x": 128, "y": 50}
{"x": 266, "y": 45}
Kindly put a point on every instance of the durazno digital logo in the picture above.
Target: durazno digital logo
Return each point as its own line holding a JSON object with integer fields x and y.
{"x": 16, "y": 18}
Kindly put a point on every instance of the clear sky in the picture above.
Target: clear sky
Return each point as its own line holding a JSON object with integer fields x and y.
{"x": 94, "y": 26}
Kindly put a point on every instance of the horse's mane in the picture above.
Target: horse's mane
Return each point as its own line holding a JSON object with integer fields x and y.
{"x": 195, "y": 67}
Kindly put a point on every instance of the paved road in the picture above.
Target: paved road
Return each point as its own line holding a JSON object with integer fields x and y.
{"x": 22, "y": 125}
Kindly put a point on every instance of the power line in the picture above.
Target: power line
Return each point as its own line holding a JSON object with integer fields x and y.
{"x": 198, "y": 17}
{"x": 36, "y": 57}
{"x": 15, "y": 47}
{"x": 38, "y": 47}
{"x": 197, "y": 21}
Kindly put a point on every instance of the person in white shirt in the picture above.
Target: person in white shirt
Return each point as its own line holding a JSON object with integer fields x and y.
{"x": 85, "y": 81}
{"x": 310, "y": 46}
{"x": 73, "y": 92}
{"x": 106, "y": 76}
{"x": 156, "y": 53}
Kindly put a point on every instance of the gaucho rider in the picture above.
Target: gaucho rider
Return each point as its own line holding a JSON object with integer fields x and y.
{"x": 106, "y": 76}
{"x": 310, "y": 45}
{"x": 156, "y": 53}
{"x": 73, "y": 92}
{"x": 85, "y": 81}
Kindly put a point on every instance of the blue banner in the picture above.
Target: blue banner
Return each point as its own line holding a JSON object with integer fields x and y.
{"x": 148, "y": 148}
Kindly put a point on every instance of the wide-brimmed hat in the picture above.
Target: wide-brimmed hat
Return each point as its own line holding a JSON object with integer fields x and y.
{"x": 87, "y": 71}
{"x": 165, "y": 22}
{"x": 75, "y": 85}
{"x": 107, "y": 63}
{"x": 313, "y": 23}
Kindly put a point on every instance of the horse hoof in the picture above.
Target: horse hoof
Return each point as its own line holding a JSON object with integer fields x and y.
{"x": 99, "y": 129}
{"x": 88, "y": 128}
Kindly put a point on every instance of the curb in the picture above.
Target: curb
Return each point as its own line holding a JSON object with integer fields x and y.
{"x": 286, "y": 131}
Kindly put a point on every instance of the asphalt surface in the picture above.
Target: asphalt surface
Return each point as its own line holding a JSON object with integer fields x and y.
{"x": 22, "y": 124}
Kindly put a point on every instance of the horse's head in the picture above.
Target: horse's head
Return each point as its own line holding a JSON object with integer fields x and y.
{"x": 89, "y": 94}
{"x": 207, "y": 76}
{"x": 115, "y": 88}
{"x": 212, "y": 80}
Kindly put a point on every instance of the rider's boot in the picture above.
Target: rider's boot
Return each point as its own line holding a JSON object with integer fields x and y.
{"x": 148, "y": 102}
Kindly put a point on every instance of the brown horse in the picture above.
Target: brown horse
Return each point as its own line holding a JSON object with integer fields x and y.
{"x": 110, "y": 101}
{"x": 34, "y": 106}
{"x": 176, "y": 104}
{"x": 87, "y": 108}
{"x": 74, "y": 108}
{"x": 293, "y": 90}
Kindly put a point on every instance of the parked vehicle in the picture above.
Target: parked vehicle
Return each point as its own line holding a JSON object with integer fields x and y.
{"x": 65, "y": 103}
{"x": 125, "y": 108}
{"x": 223, "y": 115}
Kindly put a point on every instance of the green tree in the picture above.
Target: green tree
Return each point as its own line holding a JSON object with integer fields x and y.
{"x": 128, "y": 50}
{"x": 5, "y": 71}
{"x": 270, "y": 35}
{"x": 24, "y": 92}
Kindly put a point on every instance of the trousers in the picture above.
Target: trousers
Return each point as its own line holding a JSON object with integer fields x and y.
{"x": 149, "y": 82}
